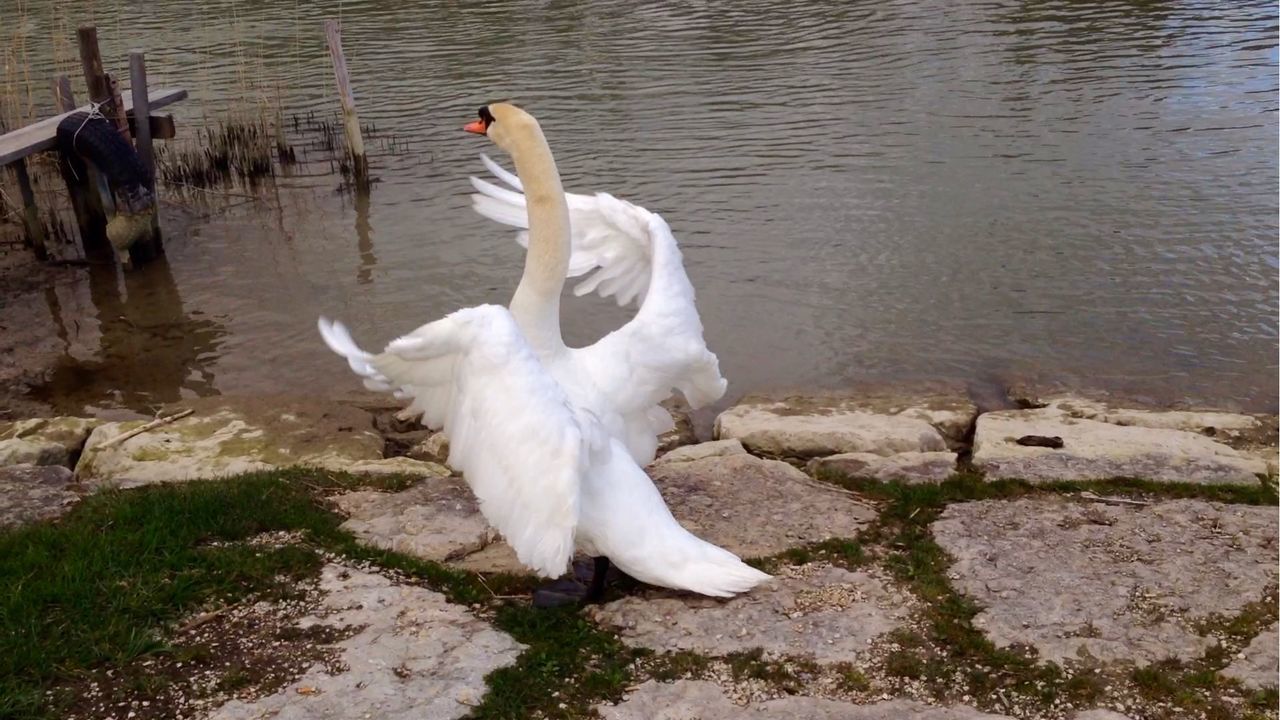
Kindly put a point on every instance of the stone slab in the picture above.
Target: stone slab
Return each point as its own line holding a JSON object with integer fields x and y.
{"x": 817, "y": 611}
{"x": 1098, "y": 450}
{"x": 910, "y": 467}
{"x": 43, "y": 441}
{"x": 29, "y": 493}
{"x": 1258, "y": 665}
{"x": 1078, "y": 579}
{"x": 702, "y": 700}
{"x": 415, "y": 656}
{"x": 815, "y": 426}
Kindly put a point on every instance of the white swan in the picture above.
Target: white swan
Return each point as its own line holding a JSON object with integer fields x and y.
{"x": 532, "y": 424}
{"x": 631, "y": 251}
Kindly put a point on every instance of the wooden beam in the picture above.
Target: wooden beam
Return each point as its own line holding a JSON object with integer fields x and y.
{"x": 95, "y": 77}
{"x": 43, "y": 135}
{"x": 350, "y": 121}
{"x": 162, "y": 126}
{"x": 30, "y": 212}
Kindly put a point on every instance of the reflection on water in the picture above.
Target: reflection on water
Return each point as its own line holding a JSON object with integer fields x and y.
{"x": 150, "y": 350}
{"x": 863, "y": 191}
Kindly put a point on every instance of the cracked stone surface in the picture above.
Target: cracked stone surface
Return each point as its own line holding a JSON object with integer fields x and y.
{"x": 227, "y": 436}
{"x": 43, "y": 441}
{"x": 436, "y": 519}
{"x": 755, "y": 507}
{"x": 702, "y": 700}
{"x": 750, "y": 506}
{"x": 910, "y": 467}
{"x": 816, "y": 426}
{"x": 1101, "y": 443}
{"x": 1076, "y": 579}
{"x": 415, "y": 656}
{"x": 34, "y": 492}
{"x": 1260, "y": 666}
{"x": 818, "y": 611}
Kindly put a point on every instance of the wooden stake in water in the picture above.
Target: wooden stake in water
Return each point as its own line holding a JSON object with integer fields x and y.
{"x": 351, "y": 123}
{"x": 30, "y": 213}
{"x": 148, "y": 247}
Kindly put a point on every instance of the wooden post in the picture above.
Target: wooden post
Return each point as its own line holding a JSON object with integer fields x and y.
{"x": 86, "y": 202}
{"x": 91, "y": 62}
{"x": 117, "y": 108}
{"x": 351, "y": 123}
{"x": 146, "y": 248}
{"x": 30, "y": 213}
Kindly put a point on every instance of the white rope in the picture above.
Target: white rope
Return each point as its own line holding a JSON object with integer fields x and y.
{"x": 95, "y": 113}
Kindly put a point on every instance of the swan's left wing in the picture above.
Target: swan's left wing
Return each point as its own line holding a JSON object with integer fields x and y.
{"x": 610, "y": 237}
{"x": 519, "y": 444}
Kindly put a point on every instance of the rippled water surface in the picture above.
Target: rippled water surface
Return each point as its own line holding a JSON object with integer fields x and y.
{"x": 863, "y": 191}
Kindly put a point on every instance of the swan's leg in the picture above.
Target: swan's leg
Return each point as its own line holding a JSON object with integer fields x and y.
{"x": 595, "y": 593}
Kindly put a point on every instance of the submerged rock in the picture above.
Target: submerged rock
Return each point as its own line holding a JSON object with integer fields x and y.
{"x": 34, "y": 492}
{"x": 415, "y": 656}
{"x": 815, "y": 426}
{"x": 1082, "y": 579}
{"x": 44, "y": 441}
{"x": 1102, "y": 443}
{"x": 228, "y": 436}
{"x": 703, "y": 700}
{"x": 911, "y": 467}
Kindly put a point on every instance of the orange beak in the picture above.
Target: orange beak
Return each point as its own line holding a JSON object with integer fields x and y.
{"x": 476, "y": 126}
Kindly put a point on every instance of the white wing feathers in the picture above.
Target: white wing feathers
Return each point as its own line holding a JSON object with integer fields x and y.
{"x": 609, "y": 235}
{"x": 634, "y": 256}
{"x": 512, "y": 433}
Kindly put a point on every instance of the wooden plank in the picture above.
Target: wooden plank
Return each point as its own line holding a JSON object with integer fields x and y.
{"x": 30, "y": 212}
{"x": 42, "y": 135}
{"x": 350, "y": 121}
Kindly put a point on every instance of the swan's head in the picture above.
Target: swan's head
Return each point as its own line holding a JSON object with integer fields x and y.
{"x": 503, "y": 123}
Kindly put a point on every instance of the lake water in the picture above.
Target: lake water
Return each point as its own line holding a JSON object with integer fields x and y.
{"x": 878, "y": 192}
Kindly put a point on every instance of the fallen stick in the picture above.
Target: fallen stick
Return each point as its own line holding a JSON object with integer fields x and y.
{"x": 1113, "y": 500}
{"x": 144, "y": 428}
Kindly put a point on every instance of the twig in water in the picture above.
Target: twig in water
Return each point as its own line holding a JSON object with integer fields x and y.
{"x": 144, "y": 428}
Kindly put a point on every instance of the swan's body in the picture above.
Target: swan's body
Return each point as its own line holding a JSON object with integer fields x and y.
{"x": 547, "y": 436}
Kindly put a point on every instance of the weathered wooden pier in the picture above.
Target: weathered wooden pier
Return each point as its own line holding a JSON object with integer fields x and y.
{"x": 90, "y": 194}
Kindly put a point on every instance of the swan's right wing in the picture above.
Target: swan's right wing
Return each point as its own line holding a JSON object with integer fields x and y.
{"x": 519, "y": 444}
{"x": 608, "y": 235}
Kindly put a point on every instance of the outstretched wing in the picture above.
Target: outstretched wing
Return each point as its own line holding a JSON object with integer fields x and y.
{"x": 610, "y": 237}
{"x": 519, "y": 444}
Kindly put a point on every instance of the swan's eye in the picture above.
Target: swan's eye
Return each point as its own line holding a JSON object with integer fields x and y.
{"x": 486, "y": 117}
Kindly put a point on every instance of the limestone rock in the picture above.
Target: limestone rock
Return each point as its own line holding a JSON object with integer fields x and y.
{"x": 388, "y": 466}
{"x": 702, "y": 700}
{"x": 1097, "y": 449}
{"x": 435, "y": 448}
{"x": 437, "y": 519}
{"x": 909, "y": 467}
{"x": 1260, "y": 666}
{"x": 755, "y": 507}
{"x": 715, "y": 448}
{"x": 227, "y": 436}
{"x": 817, "y": 611}
{"x": 43, "y": 441}
{"x": 817, "y": 426}
{"x": 1077, "y": 579}
{"x": 415, "y": 656}
{"x": 682, "y": 432}
{"x": 34, "y": 492}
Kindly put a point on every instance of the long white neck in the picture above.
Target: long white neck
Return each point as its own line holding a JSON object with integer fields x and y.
{"x": 536, "y": 302}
